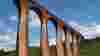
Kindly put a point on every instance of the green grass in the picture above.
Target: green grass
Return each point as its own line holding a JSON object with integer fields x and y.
{"x": 34, "y": 51}
{"x": 90, "y": 49}
{"x": 87, "y": 49}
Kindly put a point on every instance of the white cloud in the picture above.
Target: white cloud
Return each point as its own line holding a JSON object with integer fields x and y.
{"x": 88, "y": 31}
{"x": 13, "y": 18}
{"x": 34, "y": 19}
{"x": 7, "y": 40}
{"x": 34, "y": 23}
{"x": 98, "y": 30}
{"x": 75, "y": 25}
{"x": 52, "y": 42}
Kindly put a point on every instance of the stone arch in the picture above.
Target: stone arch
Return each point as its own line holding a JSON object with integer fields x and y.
{"x": 43, "y": 13}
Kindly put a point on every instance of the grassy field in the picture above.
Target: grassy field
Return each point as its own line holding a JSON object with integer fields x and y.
{"x": 34, "y": 51}
{"x": 91, "y": 48}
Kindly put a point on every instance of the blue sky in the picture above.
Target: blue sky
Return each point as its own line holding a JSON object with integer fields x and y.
{"x": 81, "y": 13}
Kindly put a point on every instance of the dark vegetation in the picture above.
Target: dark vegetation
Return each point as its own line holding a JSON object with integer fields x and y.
{"x": 11, "y": 53}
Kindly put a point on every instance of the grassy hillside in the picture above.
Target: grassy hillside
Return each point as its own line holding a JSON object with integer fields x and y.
{"x": 90, "y": 48}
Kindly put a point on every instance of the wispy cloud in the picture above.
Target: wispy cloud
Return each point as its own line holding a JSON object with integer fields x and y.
{"x": 89, "y": 31}
{"x": 7, "y": 40}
